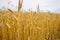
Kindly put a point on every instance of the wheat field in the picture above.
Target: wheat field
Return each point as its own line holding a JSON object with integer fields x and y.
{"x": 29, "y": 26}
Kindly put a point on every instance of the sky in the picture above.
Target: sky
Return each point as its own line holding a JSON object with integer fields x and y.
{"x": 44, "y": 5}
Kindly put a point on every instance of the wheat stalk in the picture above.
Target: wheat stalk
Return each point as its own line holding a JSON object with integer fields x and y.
{"x": 20, "y": 5}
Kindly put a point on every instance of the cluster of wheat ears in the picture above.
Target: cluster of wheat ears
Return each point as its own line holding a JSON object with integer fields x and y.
{"x": 29, "y": 25}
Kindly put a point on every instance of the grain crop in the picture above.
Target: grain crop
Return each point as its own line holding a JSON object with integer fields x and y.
{"x": 29, "y": 25}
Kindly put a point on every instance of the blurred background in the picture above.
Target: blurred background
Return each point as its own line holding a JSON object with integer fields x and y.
{"x": 44, "y": 5}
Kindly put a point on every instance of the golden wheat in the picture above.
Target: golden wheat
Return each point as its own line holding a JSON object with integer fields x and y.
{"x": 29, "y": 26}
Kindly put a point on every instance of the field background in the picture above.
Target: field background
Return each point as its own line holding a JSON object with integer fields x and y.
{"x": 29, "y": 25}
